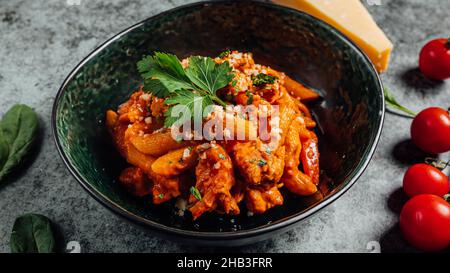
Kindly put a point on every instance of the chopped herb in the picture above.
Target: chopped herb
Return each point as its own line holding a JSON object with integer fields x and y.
{"x": 262, "y": 79}
{"x": 221, "y": 156}
{"x": 161, "y": 195}
{"x": 225, "y": 53}
{"x": 250, "y": 97}
{"x": 262, "y": 162}
{"x": 196, "y": 193}
{"x": 234, "y": 83}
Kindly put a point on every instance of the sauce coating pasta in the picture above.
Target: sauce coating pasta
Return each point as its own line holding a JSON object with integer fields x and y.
{"x": 219, "y": 174}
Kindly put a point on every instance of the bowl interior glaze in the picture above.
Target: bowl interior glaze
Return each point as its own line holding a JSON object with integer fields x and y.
{"x": 350, "y": 115}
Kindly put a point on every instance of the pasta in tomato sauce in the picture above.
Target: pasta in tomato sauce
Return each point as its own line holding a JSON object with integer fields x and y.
{"x": 219, "y": 174}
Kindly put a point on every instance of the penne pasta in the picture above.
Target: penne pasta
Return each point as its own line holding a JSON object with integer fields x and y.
{"x": 299, "y": 91}
{"x": 242, "y": 155}
{"x": 156, "y": 144}
{"x": 175, "y": 162}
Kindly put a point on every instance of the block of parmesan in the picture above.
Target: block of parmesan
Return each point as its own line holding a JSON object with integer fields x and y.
{"x": 353, "y": 19}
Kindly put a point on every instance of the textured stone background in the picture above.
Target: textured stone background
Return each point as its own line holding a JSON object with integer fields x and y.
{"x": 42, "y": 40}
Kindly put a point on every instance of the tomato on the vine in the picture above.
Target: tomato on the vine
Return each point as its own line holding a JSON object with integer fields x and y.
{"x": 434, "y": 60}
{"x": 430, "y": 130}
{"x": 425, "y": 222}
{"x": 423, "y": 179}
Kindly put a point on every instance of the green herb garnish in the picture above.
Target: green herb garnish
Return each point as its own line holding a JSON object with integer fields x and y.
{"x": 165, "y": 77}
{"x": 161, "y": 195}
{"x": 225, "y": 53}
{"x": 196, "y": 193}
{"x": 262, "y": 162}
{"x": 262, "y": 79}
{"x": 249, "y": 96}
{"x": 221, "y": 156}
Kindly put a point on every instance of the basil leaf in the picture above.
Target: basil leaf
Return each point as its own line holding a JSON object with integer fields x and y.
{"x": 4, "y": 150}
{"x": 19, "y": 129}
{"x": 32, "y": 233}
{"x": 392, "y": 102}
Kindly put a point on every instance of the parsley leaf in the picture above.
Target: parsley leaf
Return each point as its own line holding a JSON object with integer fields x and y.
{"x": 207, "y": 74}
{"x": 262, "y": 79}
{"x": 165, "y": 77}
{"x": 163, "y": 74}
{"x": 192, "y": 105}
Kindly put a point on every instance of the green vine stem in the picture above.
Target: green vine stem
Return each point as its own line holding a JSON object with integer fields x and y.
{"x": 447, "y": 197}
{"x": 392, "y": 102}
{"x": 438, "y": 164}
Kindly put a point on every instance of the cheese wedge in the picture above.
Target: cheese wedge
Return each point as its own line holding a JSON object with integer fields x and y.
{"x": 351, "y": 18}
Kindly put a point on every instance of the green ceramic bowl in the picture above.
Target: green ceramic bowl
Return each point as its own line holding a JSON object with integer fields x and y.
{"x": 350, "y": 116}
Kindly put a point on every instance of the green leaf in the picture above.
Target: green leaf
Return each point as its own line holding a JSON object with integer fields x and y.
{"x": 392, "y": 102}
{"x": 165, "y": 77}
{"x": 32, "y": 233}
{"x": 224, "y": 53}
{"x": 163, "y": 74}
{"x": 4, "y": 150}
{"x": 262, "y": 162}
{"x": 262, "y": 79}
{"x": 19, "y": 129}
{"x": 196, "y": 193}
{"x": 186, "y": 105}
{"x": 207, "y": 74}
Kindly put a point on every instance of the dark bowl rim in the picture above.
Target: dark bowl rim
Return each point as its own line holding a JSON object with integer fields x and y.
{"x": 210, "y": 236}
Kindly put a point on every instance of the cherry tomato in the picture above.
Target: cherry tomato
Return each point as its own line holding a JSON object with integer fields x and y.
{"x": 430, "y": 130}
{"x": 425, "y": 222}
{"x": 423, "y": 178}
{"x": 434, "y": 60}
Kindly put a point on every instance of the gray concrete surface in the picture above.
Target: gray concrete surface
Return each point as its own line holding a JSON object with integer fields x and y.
{"x": 42, "y": 40}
